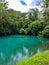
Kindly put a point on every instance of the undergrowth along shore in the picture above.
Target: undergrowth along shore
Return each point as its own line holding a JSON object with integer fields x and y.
{"x": 37, "y": 59}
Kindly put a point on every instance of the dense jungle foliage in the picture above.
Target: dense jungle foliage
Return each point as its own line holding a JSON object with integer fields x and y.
{"x": 32, "y": 22}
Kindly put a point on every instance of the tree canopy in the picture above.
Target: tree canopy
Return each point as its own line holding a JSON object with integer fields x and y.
{"x": 15, "y": 22}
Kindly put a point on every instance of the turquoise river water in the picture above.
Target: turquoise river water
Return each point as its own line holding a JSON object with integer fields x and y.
{"x": 14, "y": 48}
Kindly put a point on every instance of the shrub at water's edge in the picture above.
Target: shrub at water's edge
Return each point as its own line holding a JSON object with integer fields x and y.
{"x": 45, "y": 46}
{"x": 45, "y": 32}
{"x": 38, "y": 59}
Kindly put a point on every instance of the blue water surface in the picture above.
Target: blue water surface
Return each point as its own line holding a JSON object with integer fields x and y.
{"x": 16, "y": 47}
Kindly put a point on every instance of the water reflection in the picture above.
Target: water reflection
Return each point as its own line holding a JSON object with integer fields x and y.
{"x": 26, "y": 52}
